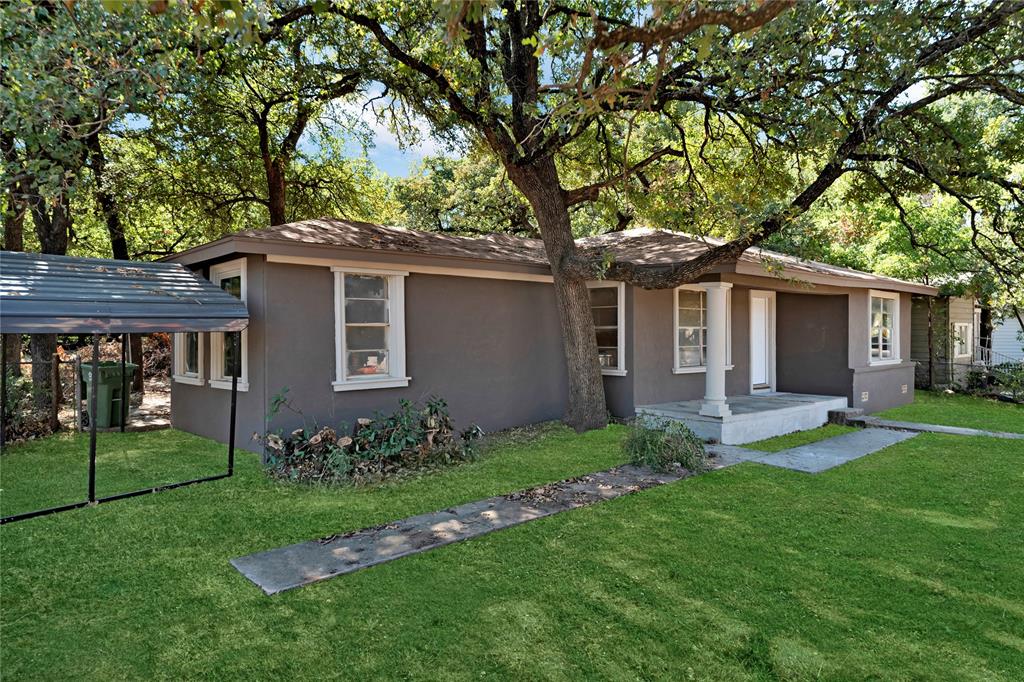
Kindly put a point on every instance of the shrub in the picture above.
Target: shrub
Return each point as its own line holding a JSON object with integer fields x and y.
{"x": 413, "y": 437}
{"x": 22, "y": 419}
{"x": 1010, "y": 377}
{"x": 660, "y": 443}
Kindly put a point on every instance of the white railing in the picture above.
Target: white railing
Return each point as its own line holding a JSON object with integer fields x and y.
{"x": 983, "y": 354}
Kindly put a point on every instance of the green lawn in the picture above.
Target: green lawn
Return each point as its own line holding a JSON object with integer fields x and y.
{"x": 902, "y": 565}
{"x": 952, "y": 409}
{"x": 792, "y": 440}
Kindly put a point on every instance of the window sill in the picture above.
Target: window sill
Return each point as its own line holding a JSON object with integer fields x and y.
{"x": 357, "y": 385}
{"x": 884, "y": 363}
{"x": 614, "y": 372}
{"x": 185, "y": 379}
{"x": 225, "y": 384}
{"x": 695, "y": 370}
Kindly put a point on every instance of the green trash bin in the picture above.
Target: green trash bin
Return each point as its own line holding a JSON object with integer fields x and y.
{"x": 108, "y": 391}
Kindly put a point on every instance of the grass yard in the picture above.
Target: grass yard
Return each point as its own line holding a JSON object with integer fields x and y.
{"x": 792, "y": 440}
{"x": 902, "y": 565}
{"x": 953, "y": 409}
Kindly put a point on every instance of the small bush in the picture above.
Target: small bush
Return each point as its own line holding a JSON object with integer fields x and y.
{"x": 412, "y": 438}
{"x": 660, "y": 443}
{"x": 1009, "y": 377}
{"x": 22, "y": 419}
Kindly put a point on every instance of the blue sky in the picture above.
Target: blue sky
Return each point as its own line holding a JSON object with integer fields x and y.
{"x": 386, "y": 151}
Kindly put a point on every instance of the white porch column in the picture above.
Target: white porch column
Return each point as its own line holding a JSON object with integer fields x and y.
{"x": 714, "y": 404}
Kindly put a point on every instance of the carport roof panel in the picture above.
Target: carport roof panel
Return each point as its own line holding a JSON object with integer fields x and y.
{"x": 42, "y": 293}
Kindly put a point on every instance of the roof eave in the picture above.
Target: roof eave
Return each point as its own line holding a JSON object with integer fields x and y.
{"x": 869, "y": 281}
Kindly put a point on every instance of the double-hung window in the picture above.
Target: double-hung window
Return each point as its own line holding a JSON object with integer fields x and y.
{"x": 231, "y": 277}
{"x": 188, "y": 358}
{"x": 608, "y": 305}
{"x": 369, "y": 334}
{"x": 884, "y": 327}
{"x": 691, "y": 329}
{"x": 962, "y": 340}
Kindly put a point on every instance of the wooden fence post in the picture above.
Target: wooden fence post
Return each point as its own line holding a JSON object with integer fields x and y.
{"x": 78, "y": 393}
{"x": 55, "y": 395}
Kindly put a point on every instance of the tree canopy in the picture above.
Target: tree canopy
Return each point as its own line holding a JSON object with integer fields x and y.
{"x": 763, "y": 122}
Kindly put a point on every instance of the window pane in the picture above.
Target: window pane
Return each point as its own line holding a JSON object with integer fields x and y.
{"x": 229, "y": 357}
{"x": 192, "y": 353}
{"x": 609, "y": 357}
{"x": 605, "y": 317}
{"x": 607, "y": 337}
{"x": 690, "y": 318}
{"x": 690, "y": 357}
{"x": 366, "y": 311}
{"x": 689, "y": 336}
{"x": 232, "y": 285}
{"x": 366, "y": 286}
{"x": 691, "y": 299}
{"x": 367, "y": 363}
{"x": 604, "y": 296}
{"x": 365, "y": 338}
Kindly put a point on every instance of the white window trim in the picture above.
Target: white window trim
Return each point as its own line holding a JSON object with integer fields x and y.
{"x": 676, "y": 368}
{"x": 897, "y": 358}
{"x": 180, "y": 375}
{"x": 967, "y": 339}
{"x": 620, "y": 289}
{"x": 396, "y": 377}
{"x": 218, "y": 375}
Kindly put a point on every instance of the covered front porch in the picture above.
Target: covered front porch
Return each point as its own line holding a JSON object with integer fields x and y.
{"x": 750, "y": 418}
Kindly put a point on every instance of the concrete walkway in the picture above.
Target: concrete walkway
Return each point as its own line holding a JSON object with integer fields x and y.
{"x": 284, "y": 568}
{"x": 814, "y": 458}
{"x": 931, "y": 428}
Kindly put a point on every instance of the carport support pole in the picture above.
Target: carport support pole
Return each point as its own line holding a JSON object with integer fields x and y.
{"x": 236, "y": 346}
{"x": 93, "y": 409}
{"x": 124, "y": 381}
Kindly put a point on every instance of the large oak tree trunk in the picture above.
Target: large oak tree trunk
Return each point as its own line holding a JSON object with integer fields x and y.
{"x": 539, "y": 184}
{"x": 276, "y": 192}
{"x": 52, "y": 222}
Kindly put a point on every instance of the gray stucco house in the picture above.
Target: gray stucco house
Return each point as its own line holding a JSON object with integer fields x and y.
{"x": 351, "y": 317}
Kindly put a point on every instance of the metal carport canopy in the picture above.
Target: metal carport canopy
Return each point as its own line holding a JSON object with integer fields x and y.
{"x": 42, "y": 293}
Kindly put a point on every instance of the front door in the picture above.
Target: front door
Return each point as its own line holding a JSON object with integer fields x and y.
{"x": 762, "y": 340}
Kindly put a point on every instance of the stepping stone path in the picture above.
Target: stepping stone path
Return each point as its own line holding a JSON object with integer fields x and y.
{"x": 284, "y": 568}
{"x": 814, "y": 458}
{"x": 932, "y": 428}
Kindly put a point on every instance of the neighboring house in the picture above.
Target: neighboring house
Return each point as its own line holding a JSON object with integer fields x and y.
{"x": 350, "y": 317}
{"x": 949, "y": 352}
{"x": 1007, "y": 343}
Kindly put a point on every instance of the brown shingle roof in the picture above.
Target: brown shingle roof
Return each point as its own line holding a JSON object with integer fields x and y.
{"x": 642, "y": 246}
{"x": 360, "y": 235}
{"x": 647, "y": 246}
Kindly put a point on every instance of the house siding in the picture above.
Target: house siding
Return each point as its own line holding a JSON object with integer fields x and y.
{"x": 1006, "y": 344}
{"x": 811, "y": 336}
{"x": 879, "y": 387}
{"x": 947, "y": 312}
{"x": 491, "y": 348}
{"x": 204, "y": 410}
{"x": 654, "y": 382}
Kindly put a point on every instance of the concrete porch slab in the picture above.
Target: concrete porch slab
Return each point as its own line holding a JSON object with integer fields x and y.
{"x": 814, "y": 458}
{"x": 753, "y": 418}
